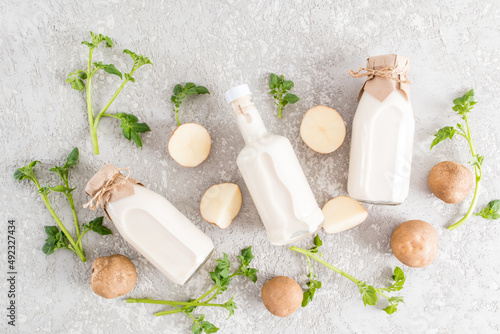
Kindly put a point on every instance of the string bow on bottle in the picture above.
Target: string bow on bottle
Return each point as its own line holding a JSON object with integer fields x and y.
{"x": 107, "y": 187}
{"x": 388, "y": 72}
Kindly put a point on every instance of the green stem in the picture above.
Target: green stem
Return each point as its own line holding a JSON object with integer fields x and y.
{"x": 477, "y": 172}
{"x": 309, "y": 264}
{"x": 323, "y": 262}
{"x": 206, "y": 294}
{"x": 197, "y": 299}
{"x": 213, "y": 296}
{"x": 471, "y": 208}
{"x": 236, "y": 273}
{"x": 203, "y": 296}
{"x": 188, "y": 314}
{"x": 177, "y": 116}
{"x": 111, "y": 115}
{"x": 79, "y": 241}
{"x": 99, "y": 116}
{"x": 384, "y": 295}
{"x": 170, "y": 302}
{"x": 75, "y": 219}
{"x": 280, "y": 105}
{"x": 469, "y": 139}
{"x": 90, "y": 111}
{"x": 76, "y": 249}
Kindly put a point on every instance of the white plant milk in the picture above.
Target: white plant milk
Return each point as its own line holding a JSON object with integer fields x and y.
{"x": 160, "y": 232}
{"x": 382, "y": 139}
{"x": 273, "y": 176}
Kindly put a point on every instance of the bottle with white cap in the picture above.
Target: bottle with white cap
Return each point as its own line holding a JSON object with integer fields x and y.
{"x": 273, "y": 175}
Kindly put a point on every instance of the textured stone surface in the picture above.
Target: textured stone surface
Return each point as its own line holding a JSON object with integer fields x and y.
{"x": 453, "y": 46}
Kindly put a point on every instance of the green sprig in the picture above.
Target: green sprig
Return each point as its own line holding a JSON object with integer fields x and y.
{"x": 463, "y": 106}
{"x": 491, "y": 211}
{"x": 222, "y": 277}
{"x": 81, "y": 79}
{"x": 58, "y": 237}
{"x": 279, "y": 88}
{"x": 369, "y": 294}
{"x": 181, "y": 92}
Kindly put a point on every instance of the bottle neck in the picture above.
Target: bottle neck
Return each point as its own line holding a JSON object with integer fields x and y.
{"x": 248, "y": 118}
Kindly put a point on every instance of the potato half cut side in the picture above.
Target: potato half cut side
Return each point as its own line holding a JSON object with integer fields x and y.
{"x": 220, "y": 204}
{"x": 190, "y": 144}
{"x": 343, "y": 213}
{"x": 323, "y": 129}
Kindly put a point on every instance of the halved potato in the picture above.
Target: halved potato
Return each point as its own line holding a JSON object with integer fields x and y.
{"x": 323, "y": 129}
{"x": 343, "y": 213}
{"x": 220, "y": 204}
{"x": 190, "y": 144}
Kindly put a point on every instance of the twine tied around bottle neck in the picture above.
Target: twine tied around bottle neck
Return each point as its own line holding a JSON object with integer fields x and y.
{"x": 107, "y": 187}
{"x": 388, "y": 72}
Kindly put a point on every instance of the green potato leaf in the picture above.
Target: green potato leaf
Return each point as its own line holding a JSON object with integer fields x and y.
{"x": 131, "y": 128}
{"x": 273, "y": 81}
{"x": 26, "y": 172}
{"x": 442, "y": 134}
{"x": 370, "y": 296}
{"x": 279, "y": 88}
{"x": 97, "y": 226}
{"x": 291, "y": 98}
{"x": 180, "y": 92}
{"x": 477, "y": 161}
{"x": 491, "y": 211}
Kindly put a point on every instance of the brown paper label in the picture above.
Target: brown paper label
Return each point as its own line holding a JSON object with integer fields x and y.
{"x": 380, "y": 87}
{"x": 103, "y": 191}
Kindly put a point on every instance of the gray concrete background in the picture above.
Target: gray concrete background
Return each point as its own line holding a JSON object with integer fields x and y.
{"x": 453, "y": 46}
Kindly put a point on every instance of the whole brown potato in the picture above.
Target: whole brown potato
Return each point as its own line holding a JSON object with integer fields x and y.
{"x": 415, "y": 243}
{"x": 282, "y": 296}
{"x": 450, "y": 182}
{"x": 113, "y": 276}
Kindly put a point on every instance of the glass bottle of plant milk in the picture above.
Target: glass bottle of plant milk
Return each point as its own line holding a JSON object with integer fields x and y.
{"x": 382, "y": 133}
{"x": 151, "y": 224}
{"x": 273, "y": 175}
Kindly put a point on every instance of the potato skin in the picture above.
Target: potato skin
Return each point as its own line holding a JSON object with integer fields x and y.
{"x": 282, "y": 296}
{"x": 450, "y": 182}
{"x": 415, "y": 243}
{"x": 113, "y": 276}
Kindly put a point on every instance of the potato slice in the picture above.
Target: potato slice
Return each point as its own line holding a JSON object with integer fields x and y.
{"x": 323, "y": 129}
{"x": 220, "y": 204}
{"x": 190, "y": 144}
{"x": 343, "y": 213}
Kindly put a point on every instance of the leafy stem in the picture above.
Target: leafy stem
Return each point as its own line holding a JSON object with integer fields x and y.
{"x": 181, "y": 92}
{"x": 222, "y": 278}
{"x": 463, "y": 106}
{"x": 311, "y": 255}
{"x": 76, "y": 78}
{"x": 279, "y": 88}
{"x": 58, "y": 237}
{"x": 76, "y": 248}
{"x": 368, "y": 292}
{"x": 102, "y": 112}
{"x": 171, "y": 302}
{"x": 75, "y": 218}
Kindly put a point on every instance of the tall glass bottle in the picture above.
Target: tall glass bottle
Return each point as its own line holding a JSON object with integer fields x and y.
{"x": 382, "y": 133}
{"x": 273, "y": 175}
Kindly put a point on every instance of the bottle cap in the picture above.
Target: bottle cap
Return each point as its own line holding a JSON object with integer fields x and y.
{"x": 237, "y": 92}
